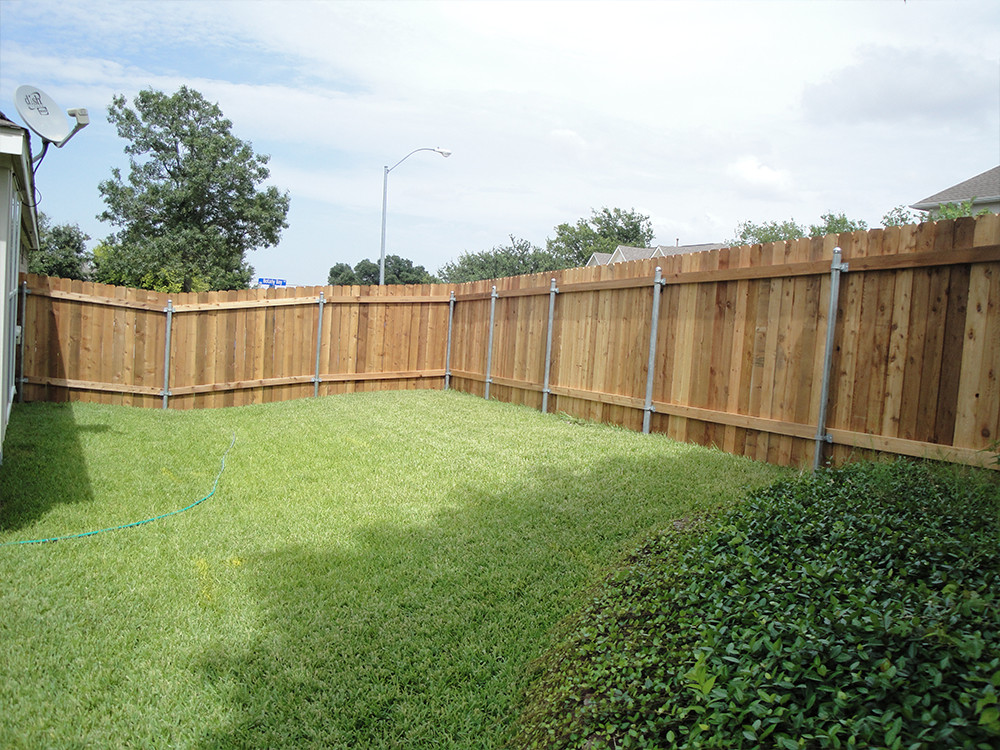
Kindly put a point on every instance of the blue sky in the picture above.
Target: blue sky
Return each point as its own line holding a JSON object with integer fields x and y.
{"x": 700, "y": 115}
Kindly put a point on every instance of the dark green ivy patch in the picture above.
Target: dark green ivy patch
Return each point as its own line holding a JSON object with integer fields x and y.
{"x": 856, "y": 607}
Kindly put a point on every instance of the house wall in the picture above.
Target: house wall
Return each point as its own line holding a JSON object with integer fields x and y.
{"x": 18, "y": 231}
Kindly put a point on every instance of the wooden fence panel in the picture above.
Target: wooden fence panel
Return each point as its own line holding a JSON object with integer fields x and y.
{"x": 738, "y": 358}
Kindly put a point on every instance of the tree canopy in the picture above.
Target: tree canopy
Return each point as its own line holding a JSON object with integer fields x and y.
{"x": 899, "y": 216}
{"x": 572, "y": 246}
{"x": 397, "y": 271}
{"x": 62, "y": 251}
{"x": 751, "y": 233}
{"x": 191, "y": 207}
{"x": 956, "y": 210}
{"x": 514, "y": 259}
{"x": 836, "y": 224}
{"x": 601, "y": 233}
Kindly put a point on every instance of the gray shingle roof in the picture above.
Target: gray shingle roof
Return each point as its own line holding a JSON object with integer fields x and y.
{"x": 984, "y": 187}
{"x": 684, "y": 249}
{"x": 599, "y": 259}
{"x": 635, "y": 253}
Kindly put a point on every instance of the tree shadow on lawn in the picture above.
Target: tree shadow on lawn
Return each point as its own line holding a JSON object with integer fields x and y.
{"x": 43, "y": 463}
{"x": 421, "y": 634}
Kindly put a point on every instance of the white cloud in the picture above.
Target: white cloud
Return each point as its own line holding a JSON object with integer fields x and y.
{"x": 756, "y": 178}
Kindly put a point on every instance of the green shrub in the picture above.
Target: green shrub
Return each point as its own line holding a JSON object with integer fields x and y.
{"x": 854, "y": 608}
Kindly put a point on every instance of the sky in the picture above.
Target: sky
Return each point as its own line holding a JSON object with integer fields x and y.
{"x": 700, "y": 115}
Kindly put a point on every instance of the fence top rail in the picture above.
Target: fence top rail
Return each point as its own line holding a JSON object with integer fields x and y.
{"x": 100, "y": 299}
{"x": 980, "y": 254}
{"x": 353, "y": 299}
{"x": 958, "y": 256}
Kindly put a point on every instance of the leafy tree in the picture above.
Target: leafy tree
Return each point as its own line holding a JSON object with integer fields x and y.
{"x": 341, "y": 274}
{"x": 899, "y": 216}
{"x": 62, "y": 251}
{"x": 835, "y": 224}
{"x": 749, "y": 233}
{"x": 366, "y": 272}
{"x": 517, "y": 258}
{"x": 956, "y": 210}
{"x": 397, "y": 271}
{"x": 402, "y": 271}
{"x": 191, "y": 208}
{"x": 601, "y": 233}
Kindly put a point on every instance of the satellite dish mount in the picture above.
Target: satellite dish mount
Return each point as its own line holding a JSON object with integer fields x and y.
{"x": 46, "y": 118}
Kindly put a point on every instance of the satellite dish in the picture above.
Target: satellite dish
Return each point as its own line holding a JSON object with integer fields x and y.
{"x": 42, "y": 114}
{"x": 46, "y": 118}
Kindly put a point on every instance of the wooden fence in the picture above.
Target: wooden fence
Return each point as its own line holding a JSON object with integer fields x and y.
{"x": 93, "y": 342}
{"x": 734, "y": 355}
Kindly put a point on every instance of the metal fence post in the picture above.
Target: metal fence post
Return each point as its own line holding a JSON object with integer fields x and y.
{"x": 654, "y": 322}
{"x": 24, "y": 332}
{"x": 822, "y": 437}
{"x": 447, "y": 353}
{"x": 169, "y": 310}
{"x": 489, "y": 346}
{"x": 319, "y": 343}
{"x": 553, "y": 290}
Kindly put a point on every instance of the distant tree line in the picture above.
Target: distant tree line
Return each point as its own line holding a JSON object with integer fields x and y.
{"x": 397, "y": 271}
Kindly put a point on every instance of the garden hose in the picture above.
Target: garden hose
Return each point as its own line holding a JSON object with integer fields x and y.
{"x": 136, "y": 523}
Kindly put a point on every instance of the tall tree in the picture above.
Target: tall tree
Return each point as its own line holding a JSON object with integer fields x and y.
{"x": 62, "y": 250}
{"x": 341, "y": 274}
{"x": 601, "y": 233}
{"x": 397, "y": 271}
{"x": 898, "y": 216}
{"x": 750, "y": 233}
{"x": 191, "y": 207}
{"x": 517, "y": 258}
{"x": 835, "y": 224}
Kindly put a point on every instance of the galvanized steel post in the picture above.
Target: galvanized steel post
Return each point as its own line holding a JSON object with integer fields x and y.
{"x": 447, "y": 353}
{"x": 822, "y": 437}
{"x": 319, "y": 343}
{"x": 647, "y": 410}
{"x": 169, "y": 309}
{"x": 489, "y": 345}
{"x": 24, "y": 331}
{"x": 553, "y": 291}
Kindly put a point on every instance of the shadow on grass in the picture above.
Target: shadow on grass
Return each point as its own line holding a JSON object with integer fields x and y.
{"x": 43, "y": 463}
{"x": 421, "y": 634}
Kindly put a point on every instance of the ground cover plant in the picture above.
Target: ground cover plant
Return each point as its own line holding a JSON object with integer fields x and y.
{"x": 374, "y": 570}
{"x": 858, "y": 607}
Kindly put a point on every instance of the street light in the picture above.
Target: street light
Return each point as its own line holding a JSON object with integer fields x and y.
{"x": 385, "y": 190}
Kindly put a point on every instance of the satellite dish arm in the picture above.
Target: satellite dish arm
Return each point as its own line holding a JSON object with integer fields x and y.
{"x": 45, "y": 147}
{"x": 82, "y": 121}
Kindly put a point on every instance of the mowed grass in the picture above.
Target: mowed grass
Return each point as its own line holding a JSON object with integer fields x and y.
{"x": 374, "y": 570}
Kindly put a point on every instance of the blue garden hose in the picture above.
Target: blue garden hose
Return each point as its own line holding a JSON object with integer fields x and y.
{"x": 136, "y": 523}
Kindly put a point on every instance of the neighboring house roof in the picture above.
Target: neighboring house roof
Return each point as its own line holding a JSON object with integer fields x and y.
{"x": 599, "y": 259}
{"x": 666, "y": 250}
{"x": 625, "y": 253}
{"x": 982, "y": 190}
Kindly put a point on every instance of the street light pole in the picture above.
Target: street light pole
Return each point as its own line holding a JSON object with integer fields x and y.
{"x": 385, "y": 192}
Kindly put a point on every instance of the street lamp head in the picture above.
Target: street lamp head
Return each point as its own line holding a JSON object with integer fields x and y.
{"x": 444, "y": 152}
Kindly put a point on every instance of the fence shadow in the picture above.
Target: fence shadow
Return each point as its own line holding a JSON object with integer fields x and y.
{"x": 409, "y": 634}
{"x": 43, "y": 463}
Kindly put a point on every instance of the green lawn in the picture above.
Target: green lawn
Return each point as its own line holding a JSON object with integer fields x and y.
{"x": 374, "y": 570}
